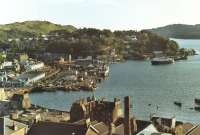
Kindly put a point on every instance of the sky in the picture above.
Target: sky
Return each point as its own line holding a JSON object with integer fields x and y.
{"x": 103, "y": 14}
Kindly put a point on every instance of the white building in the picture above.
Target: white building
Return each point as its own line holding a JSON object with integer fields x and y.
{"x": 31, "y": 77}
{"x": 133, "y": 38}
{"x": 10, "y": 40}
{"x": 2, "y": 94}
{"x": 158, "y": 53}
{"x": 33, "y": 66}
{"x": 3, "y": 77}
{"x": 6, "y": 64}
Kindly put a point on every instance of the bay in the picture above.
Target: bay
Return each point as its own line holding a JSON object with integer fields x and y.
{"x": 153, "y": 88}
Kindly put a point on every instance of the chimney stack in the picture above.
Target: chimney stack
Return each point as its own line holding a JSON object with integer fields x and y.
{"x": 127, "y": 115}
{"x": 14, "y": 127}
{"x": 173, "y": 124}
{"x": 70, "y": 58}
{"x": 111, "y": 128}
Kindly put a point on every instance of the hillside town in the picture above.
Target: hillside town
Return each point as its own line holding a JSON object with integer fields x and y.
{"x": 99, "y": 67}
{"x": 23, "y": 73}
{"x": 89, "y": 116}
{"x": 59, "y": 73}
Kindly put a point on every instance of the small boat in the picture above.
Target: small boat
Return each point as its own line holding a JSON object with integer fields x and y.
{"x": 162, "y": 60}
{"x": 178, "y": 103}
{"x": 191, "y": 108}
{"x": 181, "y": 58}
{"x": 197, "y": 108}
{"x": 196, "y": 52}
{"x": 197, "y": 101}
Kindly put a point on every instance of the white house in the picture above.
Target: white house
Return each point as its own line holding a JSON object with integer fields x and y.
{"x": 33, "y": 66}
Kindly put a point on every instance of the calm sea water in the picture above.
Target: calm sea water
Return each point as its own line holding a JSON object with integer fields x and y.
{"x": 146, "y": 84}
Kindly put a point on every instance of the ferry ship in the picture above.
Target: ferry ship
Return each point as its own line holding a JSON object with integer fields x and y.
{"x": 162, "y": 60}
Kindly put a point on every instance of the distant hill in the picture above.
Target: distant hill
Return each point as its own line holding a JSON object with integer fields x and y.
{"x": 30, "y": 28}
{"x": 179, "y": 31}
{"x": 29, "y": 37}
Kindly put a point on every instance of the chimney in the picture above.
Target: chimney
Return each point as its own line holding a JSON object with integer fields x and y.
{"x": 117, "y": 101}
{"x": 88, "y": 122}
{"x": 173, "y": 125}
{"x": 111, "y": 128}
{"x": 133, "y": 125}
{"x": 14, "y": 127}
{"x": 70, "y": 58}
{"x": 127, "y": 114}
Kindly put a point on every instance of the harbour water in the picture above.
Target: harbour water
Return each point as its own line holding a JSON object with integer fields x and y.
{"x": 152, "y": 88}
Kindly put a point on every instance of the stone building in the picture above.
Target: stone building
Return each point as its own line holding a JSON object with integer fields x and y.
{"x": 21, "y": 101}
{"x": 100, "y": 110}
{"x": 82, "y": 127}
{"x": 108, "y": 112}
{"x": 92, "y": 117}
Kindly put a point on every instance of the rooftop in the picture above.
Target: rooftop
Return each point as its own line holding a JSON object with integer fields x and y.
{"x": 151, "y": 130}
{"x": 6, "y": 126}
{"x": 194, "y": 131}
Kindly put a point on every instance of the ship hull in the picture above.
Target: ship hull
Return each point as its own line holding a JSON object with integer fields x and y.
{"x": 161, "y": 62}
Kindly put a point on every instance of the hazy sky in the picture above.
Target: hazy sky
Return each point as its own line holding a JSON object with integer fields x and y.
{"x": 111, "y": 14}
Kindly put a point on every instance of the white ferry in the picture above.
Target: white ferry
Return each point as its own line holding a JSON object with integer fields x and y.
{"x": 162, "y": 60}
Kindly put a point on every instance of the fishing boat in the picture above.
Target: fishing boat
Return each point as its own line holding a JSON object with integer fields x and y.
{"x": 162, "y": 60}
{"x": 197, "y": 101}
{"x": 197, "y": 108}
{"x": 178, "y": 103}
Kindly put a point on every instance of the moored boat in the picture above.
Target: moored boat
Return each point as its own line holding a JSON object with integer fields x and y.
{"x": 178, "y": 103}
{"x": 196, "y": 52}
{"x": 162, "y": 60}
{"x": 181, "y": 58}
{"x": 197, "y": 101}
{"x": 197, "y": 108}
